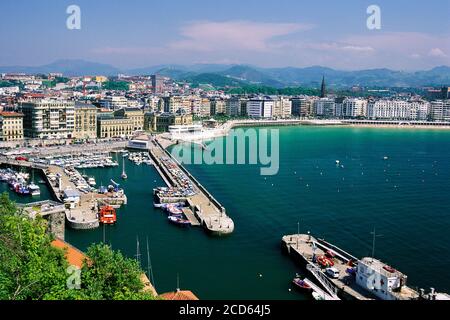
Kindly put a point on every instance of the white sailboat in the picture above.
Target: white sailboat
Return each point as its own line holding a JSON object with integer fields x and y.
{"x": 124, "y": 174}
{"x": 34, "y": 189}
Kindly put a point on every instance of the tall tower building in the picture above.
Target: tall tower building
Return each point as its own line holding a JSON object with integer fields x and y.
{"x": 323, "y": 88}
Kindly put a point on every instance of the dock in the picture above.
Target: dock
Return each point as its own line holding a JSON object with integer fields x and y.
{"x": 325, "y": 295}
{"x": 305, "y": 248}
{"x": 203, "y": 209}
{"x": 191, "y": 217}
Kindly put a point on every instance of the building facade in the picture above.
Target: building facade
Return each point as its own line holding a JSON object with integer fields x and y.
{"x": 135, "y": 114}
{"x": 260, "y": 108}
{"x": 11, "y": 126}
{"x": 48, "y": 118}
{"x": 440, "y": 110}
{"x": 160, "y": 122}
{"x": 282, "y": 107}
{"x": 324, "y": 107}
{"x": 85, "y": 121}
{"x": 398, "y": 110}
{"x": 111, "y": 127}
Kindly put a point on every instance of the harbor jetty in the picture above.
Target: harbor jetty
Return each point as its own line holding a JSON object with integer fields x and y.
{"x": 344, "y": 276}
{"x": 202, "y": 208}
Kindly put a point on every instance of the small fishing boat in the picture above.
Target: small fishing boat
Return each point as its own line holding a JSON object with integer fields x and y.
{"x": 299, "y": 283}
{"x": 91, "y": 182}
{"x": 21, "y": 190}
{"x": 34, "y": 189}
{"x": 338, "y": 162}
{"x": 173, "y": 209}
{"x": 107, "y": 215}
{"x": 179, "y": 221}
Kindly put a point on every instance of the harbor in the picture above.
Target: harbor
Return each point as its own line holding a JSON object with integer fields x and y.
{"x": 263, "y": 272}
{"x": 82, "y": 201}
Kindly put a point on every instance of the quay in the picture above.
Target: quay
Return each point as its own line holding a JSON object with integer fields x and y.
{"x": 360, "y": 279}
{"x": 203, "y": 209}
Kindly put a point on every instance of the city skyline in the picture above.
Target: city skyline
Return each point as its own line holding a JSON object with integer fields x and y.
{"x": 271, "y": 35}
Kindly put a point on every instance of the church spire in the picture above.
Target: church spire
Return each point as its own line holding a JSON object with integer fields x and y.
{"x": 323, "y": 88}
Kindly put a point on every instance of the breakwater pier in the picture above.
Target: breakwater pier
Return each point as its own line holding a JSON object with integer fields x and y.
{"x": 202, "y": 208}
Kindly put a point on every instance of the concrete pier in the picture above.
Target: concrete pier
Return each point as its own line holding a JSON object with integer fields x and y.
{"x": 204, "y": 209}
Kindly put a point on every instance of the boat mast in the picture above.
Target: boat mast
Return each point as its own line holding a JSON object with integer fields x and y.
{"x": 138, "y": 253}
{"x": 149, "y": 266}
{"x": 375, "y": 235}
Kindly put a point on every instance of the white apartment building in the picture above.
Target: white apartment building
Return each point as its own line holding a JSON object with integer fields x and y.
{"x": 324, "y": 107}
{"x": 282, "y": 107}
{"x": 48, "y": 118}
{"x": 353, "y": 108}
{"x": 440, "y": 110}
{"x": 260, "y": 108}
{"x": 398, "y": 110}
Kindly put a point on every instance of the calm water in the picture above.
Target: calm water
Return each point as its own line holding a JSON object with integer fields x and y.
{"x": 406, "y": 198}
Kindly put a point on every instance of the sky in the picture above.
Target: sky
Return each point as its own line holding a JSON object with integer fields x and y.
{"x": 414, "y": 35}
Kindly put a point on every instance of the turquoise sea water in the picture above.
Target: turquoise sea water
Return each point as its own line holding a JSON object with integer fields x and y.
{"x": 406, "y": 198}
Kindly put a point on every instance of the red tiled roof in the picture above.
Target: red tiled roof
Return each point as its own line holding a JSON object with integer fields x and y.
{"x": 74, "y": 256}
{"x": 179, "y": 295}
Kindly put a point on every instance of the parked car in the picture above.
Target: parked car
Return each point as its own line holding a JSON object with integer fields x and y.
{"x": 332, "y": 273}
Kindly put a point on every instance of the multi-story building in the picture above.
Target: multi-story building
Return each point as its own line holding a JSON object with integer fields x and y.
{"x": 157, "y": 83}
{"x": 218, "y": 106}
{"x": 114, "y": 102}
{"x": 301, "y": 106}
{"x": 114, "y": 127}
{"x": 135, "y": 114}
{"x": 324, "y": 107}
{"x": 173, "y": 104}
{"x": 351, "y": 108}
{"x": 85, "y": 121}
{"x": 260, "y": 108}
{"x": 398, "y": 110}
{"x": 440, "y": 110}
{"x": 11, "y": 126}
{"x": 160, "y": 122}
{"x": 282, "y": 107}
{"x": 236, "y": 106}
{"x": 48, "y": 118}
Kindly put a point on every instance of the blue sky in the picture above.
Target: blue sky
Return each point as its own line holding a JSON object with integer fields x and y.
{"x": 136, "y": 33}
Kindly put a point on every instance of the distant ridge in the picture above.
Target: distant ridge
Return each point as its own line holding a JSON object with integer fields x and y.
{"x": 238, "y": 75}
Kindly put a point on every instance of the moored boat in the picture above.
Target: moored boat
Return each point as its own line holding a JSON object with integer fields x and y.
{"x": 299, "y": 283}
{"x": 34, "y": 189}
{"x": 107, "y": 215}
{"x": 179, "y": 221}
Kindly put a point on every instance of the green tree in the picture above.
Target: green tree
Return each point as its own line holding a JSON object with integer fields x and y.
{"x": 29, "y": 266}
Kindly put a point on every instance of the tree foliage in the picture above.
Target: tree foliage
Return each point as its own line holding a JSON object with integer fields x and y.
{"x": 30, "y": 268}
